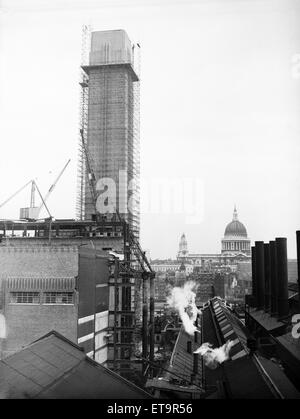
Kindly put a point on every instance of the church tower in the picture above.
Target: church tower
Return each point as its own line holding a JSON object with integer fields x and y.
{"x": 183, "y": 248}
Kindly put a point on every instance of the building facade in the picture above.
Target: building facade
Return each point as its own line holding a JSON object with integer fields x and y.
{"x": 38, "y": 276}
{"x": 235, "y": 248}
{"x": 235, "y": 239}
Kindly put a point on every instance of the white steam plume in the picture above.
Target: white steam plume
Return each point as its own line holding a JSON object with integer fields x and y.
{"x": 2, "y": 327}
{"x": 182, "y": 299}
{"x": 214, "y": 357}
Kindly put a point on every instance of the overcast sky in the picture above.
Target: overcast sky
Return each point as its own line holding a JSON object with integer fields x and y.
{"x": 220, "y": 102}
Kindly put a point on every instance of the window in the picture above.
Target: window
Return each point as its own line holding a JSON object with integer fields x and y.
{"x": 25, "y": 297}
{"x": 58, "y": 298}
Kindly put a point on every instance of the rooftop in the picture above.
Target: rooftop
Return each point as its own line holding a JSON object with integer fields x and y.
{"x": 55, "y": 368}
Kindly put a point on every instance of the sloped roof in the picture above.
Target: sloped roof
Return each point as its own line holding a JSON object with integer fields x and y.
{"x": 53, "y": 367}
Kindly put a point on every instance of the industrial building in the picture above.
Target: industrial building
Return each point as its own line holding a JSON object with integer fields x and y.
{"x": 58, "y": 275}
{"x": 50, "y": 269}
{"x": 38, "y": 275}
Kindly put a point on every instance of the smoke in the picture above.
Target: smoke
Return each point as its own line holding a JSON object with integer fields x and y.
{"x": 214, "y": 357}
{"x": 182, "y": 299}
{"x": 119, "y": 256}
{"x": 2, "y": 327}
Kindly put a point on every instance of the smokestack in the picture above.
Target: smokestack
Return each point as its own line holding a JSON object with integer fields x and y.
{"x": 145, "y": 317}
{"x": 260, "y": 273}
{"x": 189, "y": 346}
{"x": 254, "y": 283}
{"x": 195, "y": 363}
{"x": 282, "y": 269}
{"x": 152, "y": 295}
{"x": 267, "y": 276}
{"x": 273, "y": 276}
{"x": 298, "y": 259}
{"x": 196, "y": 336}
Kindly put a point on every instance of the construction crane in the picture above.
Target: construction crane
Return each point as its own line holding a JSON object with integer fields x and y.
{"x": 32, "y": 212}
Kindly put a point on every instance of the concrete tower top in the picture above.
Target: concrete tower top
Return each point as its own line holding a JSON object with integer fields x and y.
{"x": 110, "y": 47}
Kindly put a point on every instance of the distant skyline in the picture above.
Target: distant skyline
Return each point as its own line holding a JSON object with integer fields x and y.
{"x": 219, "y": 103}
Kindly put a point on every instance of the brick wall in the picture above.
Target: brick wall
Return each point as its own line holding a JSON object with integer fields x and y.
{"x": 26, "y": 323}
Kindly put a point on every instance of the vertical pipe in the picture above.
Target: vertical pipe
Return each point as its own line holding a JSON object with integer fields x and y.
{"x": 254, "y": 283}
{"x": 260, "y": 274}
{"x": 152, "y": 295}
{"x": 273, "y": 278}
{"x": 116, "y": 304}
{"x": 195, "y": 363}
{"x": 298, "y": 261}
{"x": 145, "y": 320}
{"x": 267, "y": 275}
{"x": 189, "y": 346}
{"x": 282, "y": 269}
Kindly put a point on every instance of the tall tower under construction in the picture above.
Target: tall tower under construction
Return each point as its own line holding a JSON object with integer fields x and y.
{"x": 110, "y": 126}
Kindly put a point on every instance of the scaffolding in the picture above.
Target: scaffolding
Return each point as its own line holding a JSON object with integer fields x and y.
{"x": 132, "y": 298}
{"x": 112, "y": 134}
{"x": 83, "y": 124}
{"x": 109, "y": 142}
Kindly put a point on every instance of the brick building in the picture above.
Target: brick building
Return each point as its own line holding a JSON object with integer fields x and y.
{"x": 37, "y": 293}
{"x": 38, "y": 276}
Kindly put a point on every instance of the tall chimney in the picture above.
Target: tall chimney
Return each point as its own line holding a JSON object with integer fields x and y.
{"x": 282, "y": 269}
{"x": 298, "y": 259}
{"x": 145, "y": 318}
{"x": 260, "y": 273}
{"x": 273, "y": 277}
{"x": 189, "y": 346}
{"x": 152, "y": 297}
{"x": 267, "y": 276}
{"x": 195, "y": 363}
{"x": 254, "y": 283}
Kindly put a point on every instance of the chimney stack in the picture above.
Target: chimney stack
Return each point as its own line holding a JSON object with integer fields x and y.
{"x": 189, "y": 346}
{"x": 282, "y": 270}
{"x": 145, "y": 319}
{"x": 267, "y": 276}
{"x": 260, "y": 274}
{"x": 298, "y": 260}
{"x": 273, "y": 277}
{"x": 195, "y": 363}
{"x": 254, "y": 283}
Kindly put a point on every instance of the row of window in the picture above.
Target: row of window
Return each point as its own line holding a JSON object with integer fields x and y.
{"x": 29, "y": 297}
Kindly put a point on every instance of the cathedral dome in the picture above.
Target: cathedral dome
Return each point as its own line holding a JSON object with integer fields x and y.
{"x": 235, "y": 227}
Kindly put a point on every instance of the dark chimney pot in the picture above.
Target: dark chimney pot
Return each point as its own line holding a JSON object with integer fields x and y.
{"x": 260, "y": 273}
{"x": 273, "y": 278}
{"x": 254, "y": 282}
{"x": 298, "y": 259}
{"x": 195, "y": 363}
{"x": 282, "y": 269}
{"x": 189, "y": 347}
{"x": 267, "y": 276}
